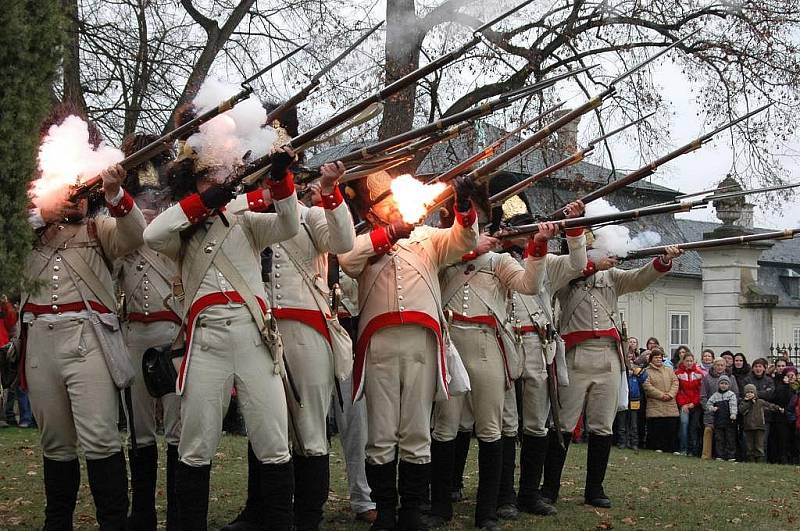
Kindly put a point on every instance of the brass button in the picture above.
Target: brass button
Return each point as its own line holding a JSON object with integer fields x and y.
{"x": 56, "y": 268}
{"x": 55, "y": 277}
{"x": 228, "y": 322}
{"x": 51, "y": 326}
{"x": 202, "y": 325}
{"x": 54, "y": 308}
{"x": 54, "y": 297}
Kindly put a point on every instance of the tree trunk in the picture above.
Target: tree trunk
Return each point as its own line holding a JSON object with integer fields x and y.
{"x": 71, "y": 57}
{"x": 403, "y": 42}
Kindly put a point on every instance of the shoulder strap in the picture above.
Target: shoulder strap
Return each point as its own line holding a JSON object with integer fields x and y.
{"x": 449, "y": 291}
{"x": 213, "y": 241}
{"x": 85, "y": 273}
{"x": 152, "y": 258}
{"x": 290, "y": 248}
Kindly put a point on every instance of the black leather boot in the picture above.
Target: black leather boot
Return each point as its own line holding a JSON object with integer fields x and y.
{"x": 412, "y": 483}
{"x": 277, "y": 490}
{"x": 506, "y": 497}
{"x": 173, "y": 517}
{"x": 490, "y": 461}
{"x": 251, "y": 516}
{"x": 312, "y": 481}
{"x": 532, "y": 459}
{"x": 463, "y": 440}
{"x": 144, "y": 473}
{"x": 596, "y": 464}
{"x": 382, "y": 481}
{"x": 191, "y": 488}
{"x": 554, "y": 465}
{"x": 442, "y": 458}
{"x": 61, "y": 482}
{"x": 108, "y": 481}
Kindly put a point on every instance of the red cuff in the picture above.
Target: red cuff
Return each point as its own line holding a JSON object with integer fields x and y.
{"x": 281, "y": 189}
{"x": 536, "y": 249}
{"x": 590, "y": 269}
{"x": 472, "y": 255}
{"x": 574, "y": 232}
{"x": 466, "y": 219}
{"x": 659, "y": 265}
{"x": 380, "y": 241}
{"x": 122, "y": 208}
{"x": 194, "y": 209}
{"x": 333, "y": 200}
{"x": 256, "y": 201}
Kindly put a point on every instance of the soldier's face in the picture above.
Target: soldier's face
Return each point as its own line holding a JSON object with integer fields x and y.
{"x": 386, "y": 211}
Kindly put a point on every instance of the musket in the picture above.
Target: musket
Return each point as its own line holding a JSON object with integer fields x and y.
{"x": 651, "y": 168}
{"x": 165, "y": 141}
{"x": 576, "y": 157}
{"x": 467, "y": 164}
{"x": 633, "y": 214}
{"x": 785, "y": 234}
{"x": 302, "y": 140}
{"x": 314, "y": 82}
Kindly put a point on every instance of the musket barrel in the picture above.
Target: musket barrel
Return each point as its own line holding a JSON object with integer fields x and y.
{"x": 718, "y": 242}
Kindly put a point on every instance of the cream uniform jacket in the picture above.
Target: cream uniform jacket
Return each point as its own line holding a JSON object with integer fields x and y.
{"x": 469, "y": 296}
{"x": 148, "y": 292}
{"x": 402, "y": 286}
{"x": 253, "y": 230}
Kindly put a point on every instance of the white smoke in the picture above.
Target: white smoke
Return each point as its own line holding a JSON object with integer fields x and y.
{"x": 66, "y": 158}
{"x": 615, "y": 240}
{"x": 225, "y": 140}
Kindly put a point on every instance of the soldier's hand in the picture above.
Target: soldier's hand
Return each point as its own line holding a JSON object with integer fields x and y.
{"x": 547, "y": 231}
{"x": 330, "y": 172}
{"x": 574, "y": 209}
{"x": 605, "y": 263}
{"x": 280, "y": 162}
{"x": 216, "y": 196}
{"x": 673, "y": 251}
{"x": 399, "y": 230}
{"x": 465, "y": 189}
{"x": 485, "y": 244}
{"x": 112, "y": 180}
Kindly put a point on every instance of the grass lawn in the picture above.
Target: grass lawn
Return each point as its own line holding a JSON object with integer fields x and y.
{"x": 649, "y": 491}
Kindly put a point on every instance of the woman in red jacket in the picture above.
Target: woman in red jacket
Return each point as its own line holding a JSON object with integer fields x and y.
{"x": 690, "y": 378}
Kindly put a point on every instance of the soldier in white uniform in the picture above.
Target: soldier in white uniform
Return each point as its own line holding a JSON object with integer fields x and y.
{"x": 587, "y": 323}
{"x": 231, "y": 338}
{"x": 535, "y": 327}
{"x": 72, "y": 393}
{"x": 400, "y": 365}
{"x": 299, "y": 297}
{"x": 151, "y": 319}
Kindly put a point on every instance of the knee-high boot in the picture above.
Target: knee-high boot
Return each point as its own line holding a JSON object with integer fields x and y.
{"x": 490, "y": 460}
{"x": 312, "y": 482}
{"x": 596, "y": 464}
{"x": 463, "y": 440}
{"x": 442, "y": 458}
{"x": 108, "y": 481}
{"x": 554, "y": 465}
{"x": 413, "y": 480}
{"x": 532, "y": 459}
{"x": 173, "y": 517}
{"x": 506, "y": 497}
{"x": 382, "y": 481}
{"x": 251, "y": 516}
{"x": 144, "y": 473}
{"x": 191, "y": 488}
{"x": 61, "y": 482}
{"x": 277, "y": 490}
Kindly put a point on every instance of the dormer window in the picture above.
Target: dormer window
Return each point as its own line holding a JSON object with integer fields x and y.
{"x": 790, "y": 279}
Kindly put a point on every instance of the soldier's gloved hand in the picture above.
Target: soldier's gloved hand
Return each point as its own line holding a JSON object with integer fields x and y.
{"x": 280, "y": 162}
{"x": 465, "y": 189}
{"x": 216, "y": 196}
{"x": 399, "y": 230}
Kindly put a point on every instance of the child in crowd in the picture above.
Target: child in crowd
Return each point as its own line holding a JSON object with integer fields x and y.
{"x": 628, "y": 419}
{"x": 752, "y": 409}
{"x": 723, "y": 405}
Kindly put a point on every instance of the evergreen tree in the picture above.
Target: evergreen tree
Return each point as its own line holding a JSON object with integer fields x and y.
{"x": 30, "y": 47}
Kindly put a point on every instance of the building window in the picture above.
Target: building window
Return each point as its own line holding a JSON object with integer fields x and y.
{"x": 796, "y": 336}
{"x": 678, "y": 330}
{"x": 791, "y": 283}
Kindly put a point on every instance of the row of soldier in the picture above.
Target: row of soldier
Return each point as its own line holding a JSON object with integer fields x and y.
{"x": 245, "y": 283}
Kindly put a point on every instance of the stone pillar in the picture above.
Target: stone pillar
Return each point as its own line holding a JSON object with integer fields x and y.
{"x": 736, "y": 313}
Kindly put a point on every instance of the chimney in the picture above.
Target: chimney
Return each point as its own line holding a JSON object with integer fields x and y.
{"x": 746, "y": 221}
{"x": 567, "y": 136}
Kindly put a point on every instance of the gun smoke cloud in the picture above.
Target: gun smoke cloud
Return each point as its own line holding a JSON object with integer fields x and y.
{"x": 223, "y": 142}
{"x": 615, "y": 240}
{"x": 66, "y": 158}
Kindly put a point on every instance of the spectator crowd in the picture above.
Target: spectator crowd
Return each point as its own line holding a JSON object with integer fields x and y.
{"x": 720, "y": 407}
